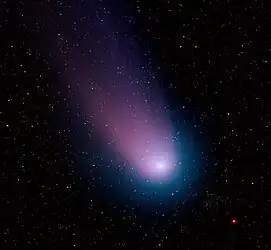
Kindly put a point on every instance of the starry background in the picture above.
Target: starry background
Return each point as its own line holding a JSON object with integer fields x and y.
{"x": 60, "y": 186}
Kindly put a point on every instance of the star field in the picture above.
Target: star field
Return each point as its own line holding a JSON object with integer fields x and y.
{"x": 92, "y": 89}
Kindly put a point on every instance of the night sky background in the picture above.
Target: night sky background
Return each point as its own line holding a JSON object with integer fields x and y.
{"x": 198, "y": 71}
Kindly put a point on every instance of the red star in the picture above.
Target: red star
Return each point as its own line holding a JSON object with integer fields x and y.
{"x": 233, "y": 221}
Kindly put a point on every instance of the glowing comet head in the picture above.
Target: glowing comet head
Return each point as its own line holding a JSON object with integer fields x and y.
{"x": 157, "y": 167}
{"x": 160, "y": 165}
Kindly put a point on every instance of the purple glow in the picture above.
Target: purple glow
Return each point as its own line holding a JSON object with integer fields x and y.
{"x": 124, "y": 102}
{"x": 141, "y": 134}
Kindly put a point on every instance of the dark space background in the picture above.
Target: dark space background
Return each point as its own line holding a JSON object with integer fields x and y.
{"x": 216, "y": 55}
